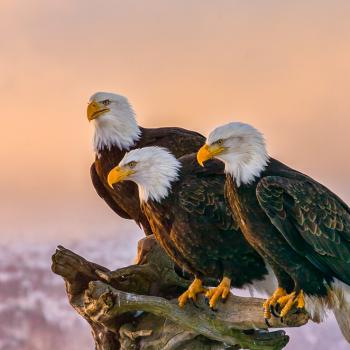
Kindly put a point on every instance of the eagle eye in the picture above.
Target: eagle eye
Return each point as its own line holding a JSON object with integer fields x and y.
{"x": 132, "y": 164}
{"x": 220, "y": 142}
{"x": 106, "y": 102}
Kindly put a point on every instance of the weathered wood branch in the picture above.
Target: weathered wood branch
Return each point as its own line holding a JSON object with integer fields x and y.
{"x": 111, "y": 302}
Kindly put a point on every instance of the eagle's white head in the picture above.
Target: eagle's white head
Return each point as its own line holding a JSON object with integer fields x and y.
{"x": 240, "y": 147}
{"x": 114, "y": 119}
{"x": 153, "y": 169}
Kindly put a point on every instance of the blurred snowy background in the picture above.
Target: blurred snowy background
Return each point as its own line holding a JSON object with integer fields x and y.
{"x": 35, "y": 314}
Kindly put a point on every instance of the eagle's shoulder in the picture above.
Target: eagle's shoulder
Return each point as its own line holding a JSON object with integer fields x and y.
{"x": 177, "y": 140}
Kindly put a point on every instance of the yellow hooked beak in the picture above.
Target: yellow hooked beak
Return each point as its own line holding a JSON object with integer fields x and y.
{"x": 95, "y": 109}
{"x": 207, "y": 152}
{"x": 118, "y": 174}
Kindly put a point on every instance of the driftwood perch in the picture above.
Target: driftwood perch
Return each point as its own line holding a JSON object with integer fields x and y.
{"x": 136, "y": 308}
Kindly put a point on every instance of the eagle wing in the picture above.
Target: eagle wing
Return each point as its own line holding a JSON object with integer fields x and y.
{"x": 314, "y": 221}
{"x": 207, "y": 218}
{"x": 177, "y": 140}
{"x": 206, "y": 202}
{"x": 204, "y": 197}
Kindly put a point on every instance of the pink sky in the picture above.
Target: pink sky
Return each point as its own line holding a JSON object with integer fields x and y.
{"x": 283, "y": 66}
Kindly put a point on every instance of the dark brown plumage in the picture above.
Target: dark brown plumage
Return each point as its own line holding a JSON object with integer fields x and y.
{"x": 282, "y": 200}
{"x": 302, "y": 230}
{"x": 195, "y": 227}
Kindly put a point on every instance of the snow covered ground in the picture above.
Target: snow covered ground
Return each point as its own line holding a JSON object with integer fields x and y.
{"x": 35, "y": 314}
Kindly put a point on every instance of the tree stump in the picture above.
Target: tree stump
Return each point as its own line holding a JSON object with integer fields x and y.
{"x": 135, "y": 307}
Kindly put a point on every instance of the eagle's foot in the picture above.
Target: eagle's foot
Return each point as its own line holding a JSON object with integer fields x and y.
{"x": 271, "y": 302}
{"x": 222, "y": 290}
{"x": 195, "y": 288}
{"x": 287, "y": 302}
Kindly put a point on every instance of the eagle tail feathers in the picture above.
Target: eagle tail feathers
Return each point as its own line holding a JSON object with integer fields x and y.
{"x": 343, "y": 319}
{"x": 341, "y": 307}
{"x": 337, "y": 300}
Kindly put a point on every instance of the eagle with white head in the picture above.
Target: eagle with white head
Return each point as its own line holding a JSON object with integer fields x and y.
{"x": 299, "y": 227}
{"x": 115, "y": 132}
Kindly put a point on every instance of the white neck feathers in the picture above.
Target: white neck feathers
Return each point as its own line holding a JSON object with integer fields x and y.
{"x": 244, "y": 169}
{"x": 154, "y": 173}
{"x": 116, "y": 128}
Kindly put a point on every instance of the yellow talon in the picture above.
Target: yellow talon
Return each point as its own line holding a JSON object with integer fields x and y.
{"x": 285, "y": 299}
{"x": 288, "y": 301}
{"x": 301, "y": 300}
{"x": 195, "y": 288}
{"x": 223, "y": 290}
{"x": 272, "y": 301}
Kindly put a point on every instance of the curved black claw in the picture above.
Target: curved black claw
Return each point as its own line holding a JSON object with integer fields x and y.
{"x": 267, "y": 322}
{"x": 212, "y": 309}
{"x": 274, "y": 312}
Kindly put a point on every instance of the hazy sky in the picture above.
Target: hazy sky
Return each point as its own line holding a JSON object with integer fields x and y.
{"x": 282, "y": 65}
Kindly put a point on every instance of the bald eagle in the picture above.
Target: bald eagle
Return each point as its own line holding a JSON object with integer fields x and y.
{"x": 186, "y": 208}
{"x": 116, "y": 132}
{"x": 298, "y": 226}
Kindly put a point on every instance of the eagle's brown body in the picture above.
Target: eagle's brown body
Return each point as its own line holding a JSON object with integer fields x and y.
{"x": 195, "y": 227}
{"x": 300, "y": 227}
{"x": 124, "y": 198}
